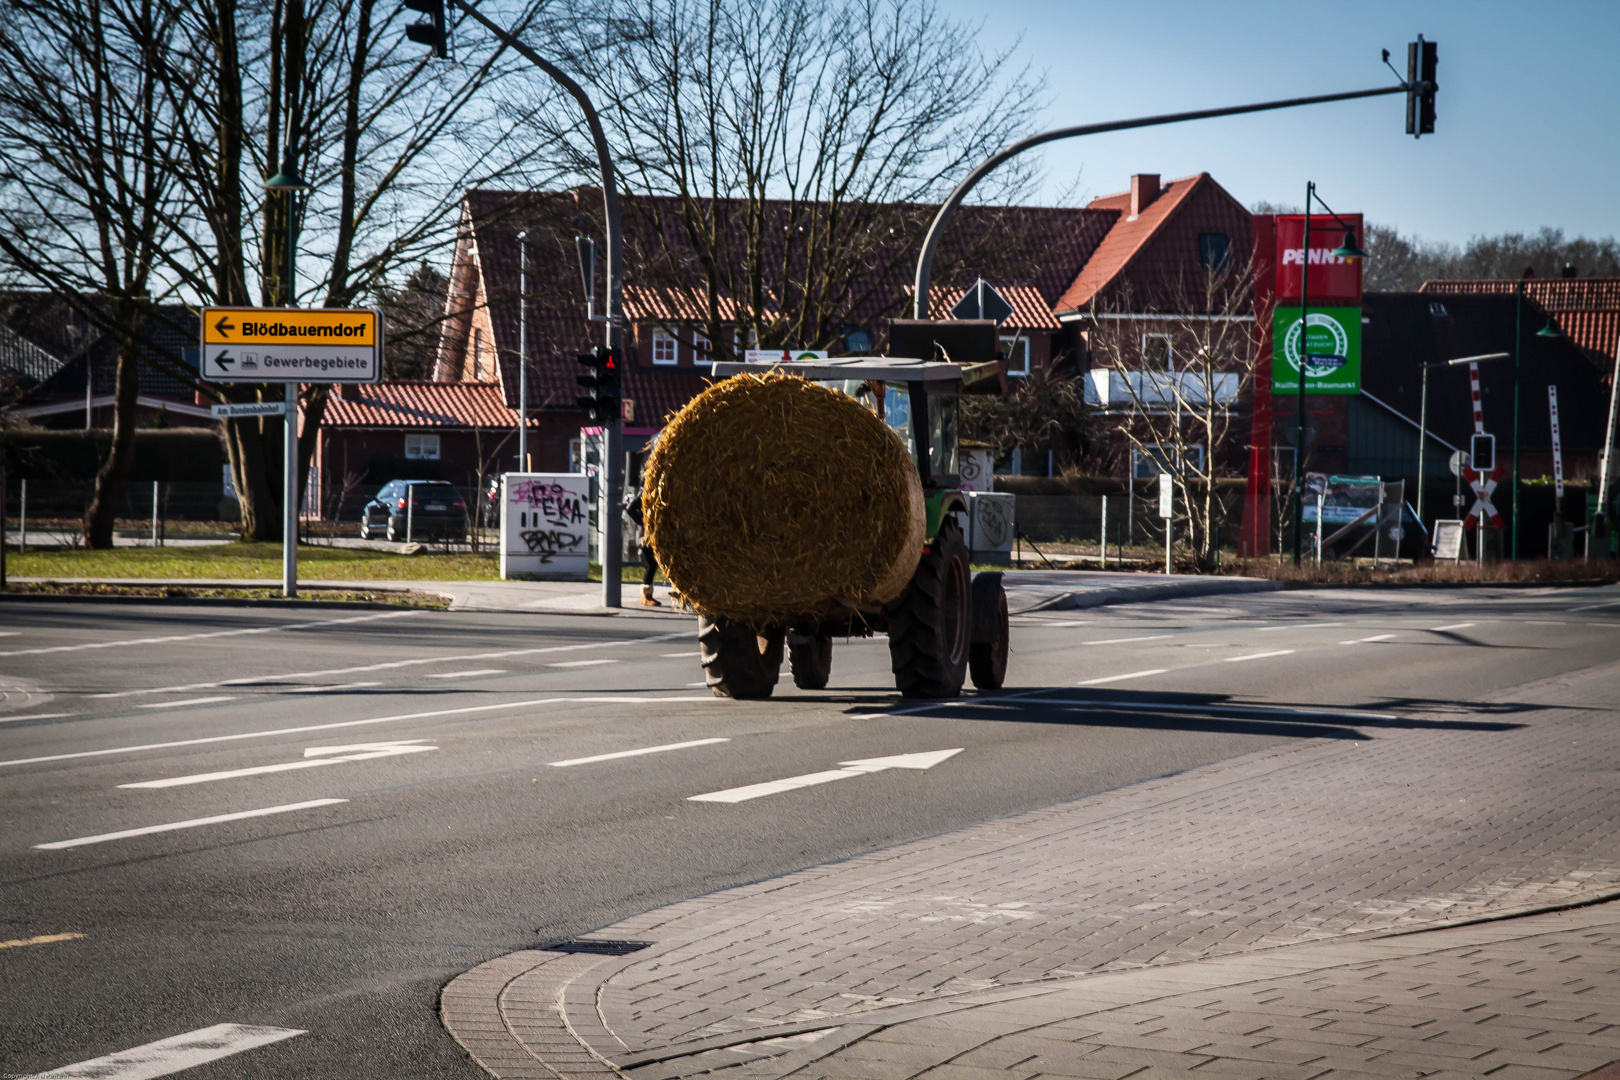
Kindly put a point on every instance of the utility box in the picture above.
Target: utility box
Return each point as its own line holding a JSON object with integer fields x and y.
{"x": 991, "y": 526}
{"x": 545, "y": 526}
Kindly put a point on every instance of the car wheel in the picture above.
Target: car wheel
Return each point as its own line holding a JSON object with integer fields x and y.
{"x": 393, "y": 533}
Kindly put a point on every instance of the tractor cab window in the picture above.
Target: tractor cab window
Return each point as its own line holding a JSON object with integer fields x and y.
{"x": 897, "y": 413}
{"x": 942, "y": 435}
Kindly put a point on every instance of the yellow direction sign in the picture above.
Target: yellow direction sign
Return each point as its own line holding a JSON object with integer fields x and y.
{"x": 317, "y": 345}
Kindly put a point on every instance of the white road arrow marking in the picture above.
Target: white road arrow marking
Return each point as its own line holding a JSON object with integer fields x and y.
{"x": 314, "y": 758}
{"x": 172, "y": 1055}
{"x": 846, "y": 770}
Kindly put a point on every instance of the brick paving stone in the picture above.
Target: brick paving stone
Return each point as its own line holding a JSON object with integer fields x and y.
{"x": 1280, "y": 852}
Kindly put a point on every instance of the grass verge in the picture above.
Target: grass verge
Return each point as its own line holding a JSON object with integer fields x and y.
{"x": 252, "y": 560}
{"x": 400, "y": 598}
{"x": 1528, "y": 572}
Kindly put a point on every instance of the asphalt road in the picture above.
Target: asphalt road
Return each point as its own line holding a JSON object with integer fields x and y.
{"x": 440, "y": 830}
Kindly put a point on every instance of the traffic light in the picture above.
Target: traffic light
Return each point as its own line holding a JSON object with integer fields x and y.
{"x": 1421, "y": 58}
{"x": 601, "y": 383}
{"x": 433, "y": 31}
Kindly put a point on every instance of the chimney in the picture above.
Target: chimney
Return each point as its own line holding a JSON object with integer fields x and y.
{"x": 1144, "y": 189}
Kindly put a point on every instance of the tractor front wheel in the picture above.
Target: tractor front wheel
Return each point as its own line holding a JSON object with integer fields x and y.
{"x": 739, "y": 662}
{"x": 811, "y": 660}
{"x": 987, "y": 657}
{"x": 930, "y": 624}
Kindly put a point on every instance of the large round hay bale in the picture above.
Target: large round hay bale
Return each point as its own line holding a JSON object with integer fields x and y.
{"x": 770, "y": 499}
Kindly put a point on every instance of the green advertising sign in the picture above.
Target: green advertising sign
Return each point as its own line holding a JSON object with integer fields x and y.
{"x": 1333, "y": 348}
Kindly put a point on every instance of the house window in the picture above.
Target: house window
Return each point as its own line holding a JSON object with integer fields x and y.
{"x": 1157, "y": 354}
{"x": 701, "y": 349}
{"x": 421, "y": 448}
{"x": 663, "y": 347}
{"x": 1016, "y": 350}
{"x": 1214, "y": 252}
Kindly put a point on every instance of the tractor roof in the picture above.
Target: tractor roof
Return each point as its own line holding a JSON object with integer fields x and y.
{"x": 880, "y": 368}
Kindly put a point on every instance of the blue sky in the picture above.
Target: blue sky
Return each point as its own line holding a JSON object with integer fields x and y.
{"x": 1528, "y": 128}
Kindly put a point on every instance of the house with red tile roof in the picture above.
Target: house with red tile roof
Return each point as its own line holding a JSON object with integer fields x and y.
{"x": 1057, "y": 264}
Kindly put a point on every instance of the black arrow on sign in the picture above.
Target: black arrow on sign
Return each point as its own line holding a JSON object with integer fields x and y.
{"x": 224, "y": 326}
{"x": 225, "y": 360}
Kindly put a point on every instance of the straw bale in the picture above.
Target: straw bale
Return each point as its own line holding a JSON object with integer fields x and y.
{"x": 770, "y": 499}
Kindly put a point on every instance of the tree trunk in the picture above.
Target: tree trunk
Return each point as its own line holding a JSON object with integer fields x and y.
{"x": 249, "y": 468}
{"x": 114, "y": 472}
{"x": 314, "y": 413}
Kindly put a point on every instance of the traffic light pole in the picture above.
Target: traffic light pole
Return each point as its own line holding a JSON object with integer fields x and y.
{"x": 613, "y": 427}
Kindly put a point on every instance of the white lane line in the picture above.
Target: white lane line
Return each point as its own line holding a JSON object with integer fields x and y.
{"x": 1587, "y": 607}
{"x": 330, "y": 689}
{"x": 595, "y": 699}
{"x": 187, "y": 701}
{"x": 634, "y": 753}
{"x": 1124, "y": 640}
{"x": 314, "y": 758}
{"x": 703, "y": 683}
{"x": 504, "y": 654}
{"x": 42, "y": 939}
{"x": 582, "y": 663}
{"x": 1363, "y": 640}
{"x": 211, "y": 634}
{"x": 1259, "y": 656}
{"x": 36, "y": 716}
{"x": 9, "y": 633}
{"x": 1181, "y": 706}
{"x": 467, "y": 674}
{"x": 849, "y": 769}
{"x": 174, "y": 1054}
{"x": 681, "y": 655}
{"x": 192, "y": 823}
{"x": 1121, "y": 678}
{"x": 1301, "y": 626}
{"x": 1453, "y": 626}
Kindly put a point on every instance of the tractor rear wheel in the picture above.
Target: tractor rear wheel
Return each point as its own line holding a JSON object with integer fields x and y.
{"x": 930, "y": 624}
{"x": 811, "y": 661}
{"x": 739, "y": 662}
{"x": 987, "y": 657}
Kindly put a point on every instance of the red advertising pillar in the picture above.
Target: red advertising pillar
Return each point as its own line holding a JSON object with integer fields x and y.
{"x": 1255, "y": 540}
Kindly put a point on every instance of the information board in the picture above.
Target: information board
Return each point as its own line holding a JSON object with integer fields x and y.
{"x": 1448, "y": 539}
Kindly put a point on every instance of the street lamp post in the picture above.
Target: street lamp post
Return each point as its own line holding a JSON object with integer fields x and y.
{"x": 1351, "y": 251}
{"x": 523, "y": 352}
{"x": 1548, "y": 331}
{"x": 288, "y": 182}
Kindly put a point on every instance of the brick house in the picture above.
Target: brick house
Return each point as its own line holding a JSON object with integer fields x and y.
{"x": 1122, "y": 245}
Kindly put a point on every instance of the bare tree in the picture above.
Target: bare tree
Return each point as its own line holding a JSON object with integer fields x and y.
{"x": 795, "y": 148}
{"x": 1181, "y": 374}
{"x": 1044, "y": 411}
{"x": 84, "y": 192}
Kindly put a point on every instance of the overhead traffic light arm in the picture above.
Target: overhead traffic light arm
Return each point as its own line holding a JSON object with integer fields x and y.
{"x": 925, "y": 260}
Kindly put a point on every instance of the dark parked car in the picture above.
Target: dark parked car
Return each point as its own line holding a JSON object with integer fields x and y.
{"x": 430, "y": 509}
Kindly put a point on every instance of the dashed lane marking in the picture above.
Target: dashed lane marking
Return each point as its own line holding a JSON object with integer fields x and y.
{"x": 468, "y": 674}
{"x": 314, "y": 758}
{"x": 1122, "y": 678}
{"x": 504, "y": 654}
{"x": 1364, "y": 640}
{"x": 191, "y": 823}
{"x": 1452, "y": 626}
{"x": 1301, "y": 626}
{"x": 600, "y": 699}
{"x": 35, "y": 716}
{"x": 128, "y": 642}
{"x": 583, "y": 663}
{"x": 42, "y": 939}
{"x": 1259, "y": 656}
{"x": 634, "y": 753}
{"x": 680, "y": 655}
{"x": 182, "y": 704}
{"x": 172, "y": 1055}
{"x": 1125, "y": 640}
{"x": 334, "y": 688}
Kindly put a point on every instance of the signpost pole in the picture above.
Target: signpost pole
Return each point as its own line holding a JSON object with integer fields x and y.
{"x": 523, "y": 352}
{"x": 1304, "y": 355}
{"x": 289, "y": 496}
{"x": 1423, "y": 439}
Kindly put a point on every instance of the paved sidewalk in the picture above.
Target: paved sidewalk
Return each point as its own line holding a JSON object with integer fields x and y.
{"x": 1217, "y": 879}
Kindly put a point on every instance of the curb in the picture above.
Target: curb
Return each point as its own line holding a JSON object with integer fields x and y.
{"x": 212, "y": 601}
{"x": 1169, "y": 590}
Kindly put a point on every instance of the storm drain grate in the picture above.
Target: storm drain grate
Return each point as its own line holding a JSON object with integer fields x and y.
{"x": 598, "y": 946}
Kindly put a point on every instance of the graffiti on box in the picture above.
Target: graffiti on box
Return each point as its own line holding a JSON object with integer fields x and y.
{"x": 550, "y": 518}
